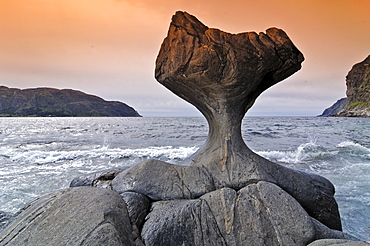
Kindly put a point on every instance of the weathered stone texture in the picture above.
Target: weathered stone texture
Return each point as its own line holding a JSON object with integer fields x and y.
{"x": 102, "y": 179}
{"x": 77, "y": 216}
{"x": 259, "y": 214}
{"x": 162, "y": 181}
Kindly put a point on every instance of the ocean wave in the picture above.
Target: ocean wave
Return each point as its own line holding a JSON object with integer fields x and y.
{"x": 43, "y": 157}
{"x": 353, "y": 146}
{"x": 311, "y": 151}
{"x": 304, "y": 152}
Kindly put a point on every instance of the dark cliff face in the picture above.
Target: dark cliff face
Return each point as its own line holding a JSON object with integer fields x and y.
{"x": 358, "y": 90}
{"x": 55, "y": 102}
{"x": 358, "y": 82}
{"x": 357, "y": 102}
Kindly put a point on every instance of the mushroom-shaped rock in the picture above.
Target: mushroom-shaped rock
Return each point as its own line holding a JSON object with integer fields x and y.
{"x": 222, "y": 74}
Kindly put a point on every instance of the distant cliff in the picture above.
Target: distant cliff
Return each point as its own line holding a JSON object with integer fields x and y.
{"x": 55, "y": 102}
{"x": 335, "y": 108}
{"x": 358, "y": 92}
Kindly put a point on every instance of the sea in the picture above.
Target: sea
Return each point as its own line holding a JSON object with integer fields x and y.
{"x": 43, "y": 155}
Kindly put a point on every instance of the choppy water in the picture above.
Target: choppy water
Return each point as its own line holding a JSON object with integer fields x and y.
{"x": 41, "y": 155}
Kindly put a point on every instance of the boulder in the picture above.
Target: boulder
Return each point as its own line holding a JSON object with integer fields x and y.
{"x": 259, "y": 214}
{"x": 102, "y": 179}
{"x": 163, "y": 181}
{"x": 75, "y": 216}
{"x": 324, "y": 232}
{"x": 137, "y": 206}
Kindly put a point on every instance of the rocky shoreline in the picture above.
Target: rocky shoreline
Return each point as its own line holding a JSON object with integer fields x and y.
{"x": 357, "y": 102}
{"x": 226, "y": 194}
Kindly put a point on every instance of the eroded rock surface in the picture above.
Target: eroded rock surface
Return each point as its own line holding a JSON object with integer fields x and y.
{"x": 259, "y": 214}
{"x": 159, "y": 180}
{"x": 77, "y": 216}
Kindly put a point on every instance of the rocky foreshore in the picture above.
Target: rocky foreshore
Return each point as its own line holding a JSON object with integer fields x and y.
{"x": 226, "y": 194}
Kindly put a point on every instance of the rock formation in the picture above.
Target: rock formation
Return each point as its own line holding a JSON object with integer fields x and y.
{"x": 358, "y": 90}
{"x": 358, "y": 93}
{"x": 227, "y": 194}
{"x": 335, "y": 108}
{"x": 54, "y": 102}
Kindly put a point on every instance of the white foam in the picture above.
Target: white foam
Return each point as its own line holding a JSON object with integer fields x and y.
{"x": 301, "y": 153}
{"x": 43, "y": 157}
{"x": 350, "y": 144}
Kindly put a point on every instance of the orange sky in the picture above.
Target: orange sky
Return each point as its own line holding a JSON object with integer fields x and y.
{"x": 108, "y": 47}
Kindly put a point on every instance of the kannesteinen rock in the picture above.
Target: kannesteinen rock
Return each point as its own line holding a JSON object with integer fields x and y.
{"x": 55, "y": 102}
{"x": 227, "y": 195}
{"x": 358, "y": 92}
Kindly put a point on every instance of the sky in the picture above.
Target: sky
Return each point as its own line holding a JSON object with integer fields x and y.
{"x": 108, "y": 48}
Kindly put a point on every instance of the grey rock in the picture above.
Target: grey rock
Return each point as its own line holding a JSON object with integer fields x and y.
{"x": 4, "y": 218}
{"x": 162, "y": 181}
{"x": 137, "y": 207}
{"x": 259, "y": 214}
{"x": 76, "y": 216}
{"x": 102, "y": 179}
{"x": 323, "y": 232}
{"x": 181, "y": 222}
{"x": 337, "y": 242}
